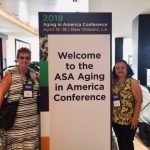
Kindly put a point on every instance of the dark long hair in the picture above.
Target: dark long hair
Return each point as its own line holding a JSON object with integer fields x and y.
{"x": 130, "y": 72}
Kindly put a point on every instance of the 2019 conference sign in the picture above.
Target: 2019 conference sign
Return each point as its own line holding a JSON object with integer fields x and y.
{"x": 76, "y": 49}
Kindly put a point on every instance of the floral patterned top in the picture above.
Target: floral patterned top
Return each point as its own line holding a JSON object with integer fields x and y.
{"x": 123, "y": 113}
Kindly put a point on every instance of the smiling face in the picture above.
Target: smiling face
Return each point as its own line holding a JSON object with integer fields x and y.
{"x": 121, "y": 70}
{"x": 24, "y": 60}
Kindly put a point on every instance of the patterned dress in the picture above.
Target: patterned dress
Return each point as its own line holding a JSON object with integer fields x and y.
{"x": 121, "y": 115}
{"x": 25, "y": 133}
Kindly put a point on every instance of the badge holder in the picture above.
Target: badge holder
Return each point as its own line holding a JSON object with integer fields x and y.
{"x": 27, "y": 90}
{"x": 116, "y": 100}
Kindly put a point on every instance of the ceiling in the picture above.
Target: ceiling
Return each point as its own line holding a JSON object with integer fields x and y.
{"x": 123, "y": 12}
{"x": 25, "y": 10}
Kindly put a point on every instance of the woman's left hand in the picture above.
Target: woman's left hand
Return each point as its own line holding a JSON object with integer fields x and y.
{"x": 134, "y": 122}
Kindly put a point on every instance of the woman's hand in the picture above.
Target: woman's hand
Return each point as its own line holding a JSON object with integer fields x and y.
{"x": 134, "y": 122}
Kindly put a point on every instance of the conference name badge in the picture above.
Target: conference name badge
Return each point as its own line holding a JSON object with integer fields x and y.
{"x": 27, "y": 91}
{"x": 116, "y": 100}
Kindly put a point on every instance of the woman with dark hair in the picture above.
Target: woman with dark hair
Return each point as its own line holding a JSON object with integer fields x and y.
{"x": 126, "y": 101}
{"x": 21, "y": 83}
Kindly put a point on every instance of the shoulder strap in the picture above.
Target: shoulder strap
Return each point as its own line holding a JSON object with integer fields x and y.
{"x": 145, "y": 106}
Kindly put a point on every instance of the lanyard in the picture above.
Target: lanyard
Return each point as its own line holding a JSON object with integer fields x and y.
{"x": 27, "y": 87}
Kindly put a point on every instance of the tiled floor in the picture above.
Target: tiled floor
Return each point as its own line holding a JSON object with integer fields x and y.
{"x": 138, "y": 145}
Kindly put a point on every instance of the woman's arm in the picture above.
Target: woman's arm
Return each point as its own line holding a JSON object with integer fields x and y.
{"x": 137, "y": 92}
{"x": 4, "y": 86}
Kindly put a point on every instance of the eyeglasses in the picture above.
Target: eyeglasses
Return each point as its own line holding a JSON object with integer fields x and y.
{"x": 22, "y": 57}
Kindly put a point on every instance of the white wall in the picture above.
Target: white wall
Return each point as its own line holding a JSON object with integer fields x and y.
{"x": 127, "y": 50}
{"x": 69, "y": 6}
{"x": 123, "y": 13}
{"x": 10, "y": 50}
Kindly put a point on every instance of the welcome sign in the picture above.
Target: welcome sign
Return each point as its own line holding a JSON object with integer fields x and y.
{"x": 78, "y": 55}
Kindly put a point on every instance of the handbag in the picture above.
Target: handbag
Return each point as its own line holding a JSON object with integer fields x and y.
{"x": 8, "y": 114}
